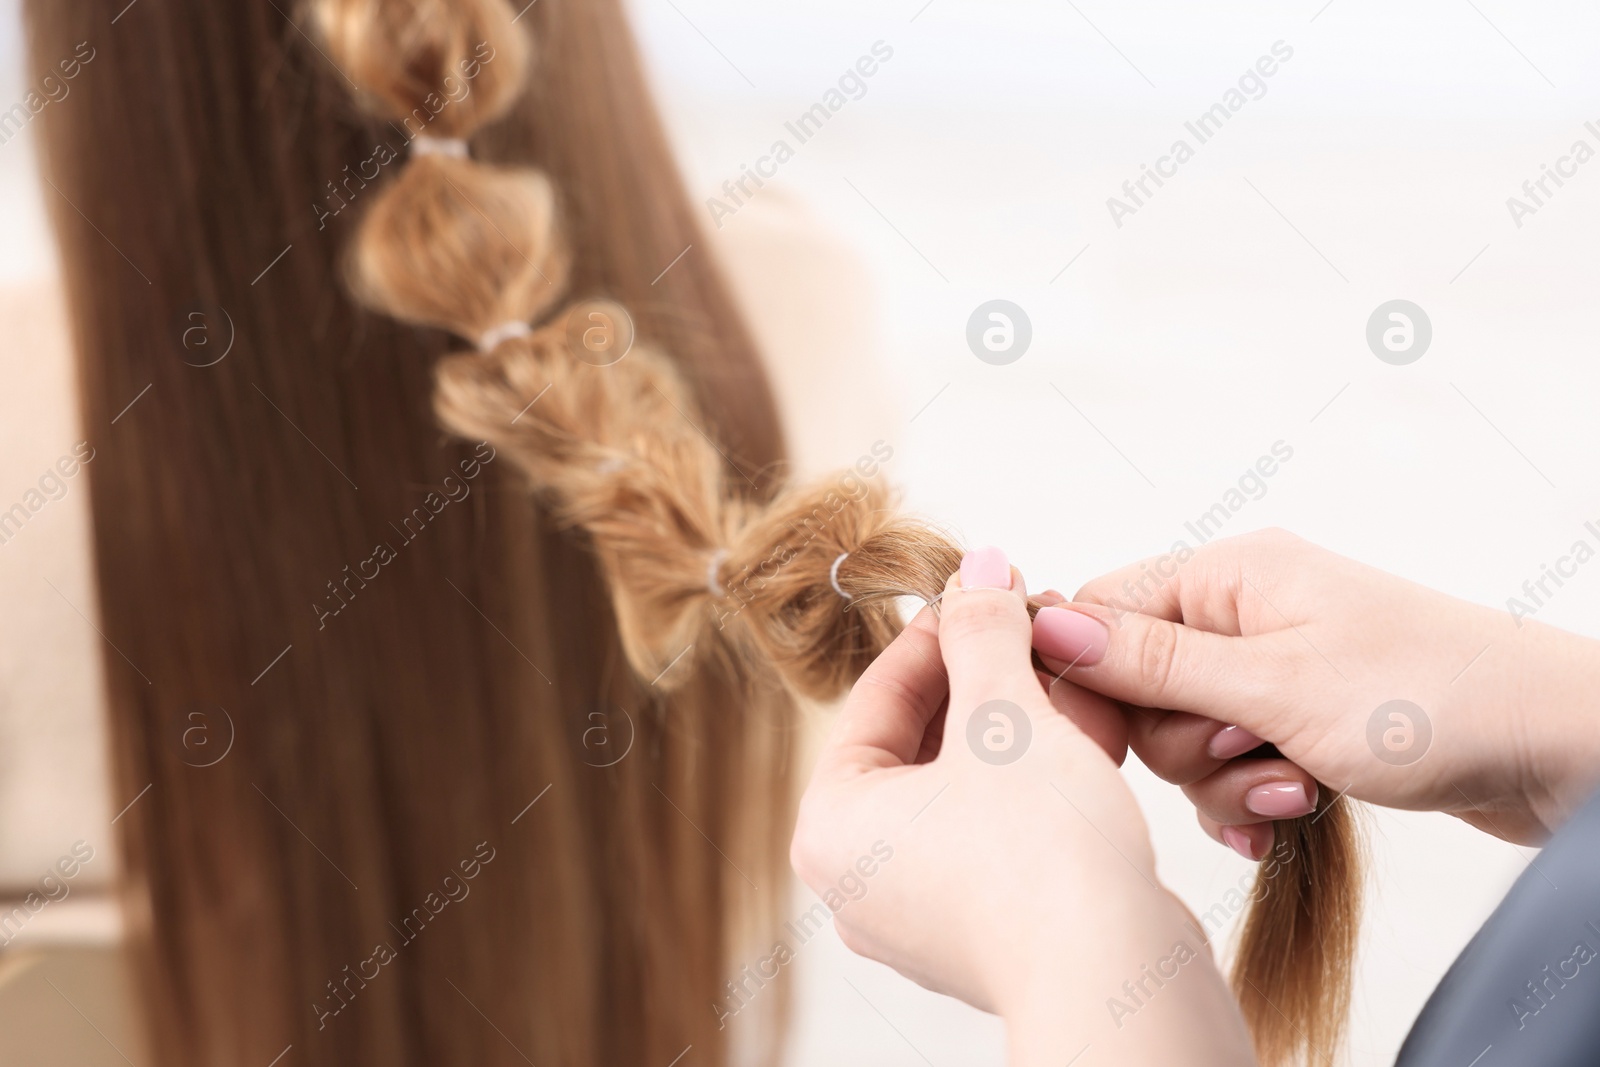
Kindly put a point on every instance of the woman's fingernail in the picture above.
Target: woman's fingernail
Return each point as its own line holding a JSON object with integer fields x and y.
{"x": 1239, "y": 841}
{"x": 1281, "y": 800}
{"x": 985, "y": 568}
{"x": 1050, "y": 598}
{"x": 1231, "y": 741}
{"x": 1072, "y": 636}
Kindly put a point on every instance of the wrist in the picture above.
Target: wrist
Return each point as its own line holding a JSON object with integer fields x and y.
{"x": 1555, "y": 722}
{"x": 1134, "y": 986}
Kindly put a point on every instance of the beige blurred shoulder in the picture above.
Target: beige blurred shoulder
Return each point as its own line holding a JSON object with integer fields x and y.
{"x": 812, "y": 308}
{"x": 53, "y": 784}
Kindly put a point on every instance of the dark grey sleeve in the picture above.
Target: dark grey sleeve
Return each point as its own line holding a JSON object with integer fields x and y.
{"x": 1526, "y": 989}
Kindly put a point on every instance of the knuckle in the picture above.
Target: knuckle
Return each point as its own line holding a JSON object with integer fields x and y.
{"x": 1155, "y": 657}
{"x": 977, "y": 613}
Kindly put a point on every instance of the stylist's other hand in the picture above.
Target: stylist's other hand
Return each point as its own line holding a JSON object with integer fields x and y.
{"x": 1265, "y": 636}
{"x": 966, "y": 832}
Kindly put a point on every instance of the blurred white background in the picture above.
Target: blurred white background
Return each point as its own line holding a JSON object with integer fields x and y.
{"x": 1227, "y": 314}
{"x": 977, "y": 166}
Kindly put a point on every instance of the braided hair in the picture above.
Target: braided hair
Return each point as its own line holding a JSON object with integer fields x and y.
{"x": 799, "y": 584}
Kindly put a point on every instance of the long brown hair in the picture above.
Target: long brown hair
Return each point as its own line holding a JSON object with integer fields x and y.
{"x": 407, "y": 651}
{"x": 440, "y": 688}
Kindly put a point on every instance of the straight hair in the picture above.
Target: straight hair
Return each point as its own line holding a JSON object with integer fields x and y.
{"x": 418, "y": 671}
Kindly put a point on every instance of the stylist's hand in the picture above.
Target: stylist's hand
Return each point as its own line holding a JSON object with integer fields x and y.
{"x": 1295, "y": 645}
{"x": 998, "y": 856}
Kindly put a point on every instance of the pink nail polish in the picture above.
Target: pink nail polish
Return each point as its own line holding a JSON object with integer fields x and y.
{"x": 1070, "y": 636}
{"x": 985, "y": 568}
{"x": 1239, "y": 841}
{"x": 1231, "y": 741}
{"x": 1281, "y": 800}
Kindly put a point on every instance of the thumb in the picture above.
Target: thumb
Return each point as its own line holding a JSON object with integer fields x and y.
{"x": 984, "y": 636}
{"x": 1154, "y": 663}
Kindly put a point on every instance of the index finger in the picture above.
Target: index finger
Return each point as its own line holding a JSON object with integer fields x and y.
{"x": 1201, "y": 587}
{"x": 888, "y": 710}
